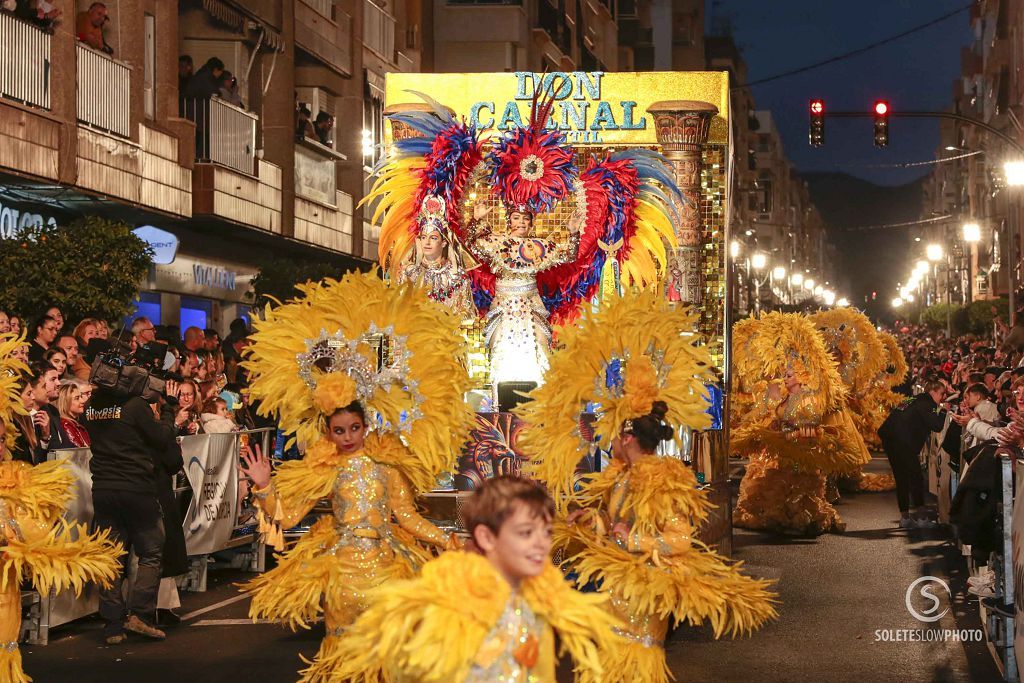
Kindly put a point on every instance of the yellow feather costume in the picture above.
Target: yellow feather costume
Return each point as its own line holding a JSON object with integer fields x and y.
{"x": 806, "y": 429}
{"x": 37, "y": 544}
{"x": 317, "y": 354}
{"x": 459, "y": 621}
{"x": 662, "y": 573}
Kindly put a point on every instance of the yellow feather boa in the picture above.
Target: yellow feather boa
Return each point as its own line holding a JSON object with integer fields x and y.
{"x": 10, "y": 386}
{"x": 690, "y": 584}
{"x": 430, "y": 629}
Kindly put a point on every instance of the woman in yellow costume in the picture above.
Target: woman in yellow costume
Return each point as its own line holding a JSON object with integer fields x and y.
{"x": 369, "y": 379}
{"x": 795, "y": 427}
{"x": 857, "y": 350}
{"x": 487, "y": 615}
{"x": 37, "y": 544}
{"x": 638, "y": 359}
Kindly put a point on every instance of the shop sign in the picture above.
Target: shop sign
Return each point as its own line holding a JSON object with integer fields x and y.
{"x": 164, "y": 244}
{"x": 13, "y": 221}
{"x": 589, "y": 107}
{"x": 212, "y": 276}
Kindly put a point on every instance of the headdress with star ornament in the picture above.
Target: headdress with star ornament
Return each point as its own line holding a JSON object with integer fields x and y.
{"x": 629, "y": 354}
{"x": 358, "y": 339}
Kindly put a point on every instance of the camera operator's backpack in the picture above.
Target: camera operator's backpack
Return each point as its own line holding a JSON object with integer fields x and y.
{"x": 111, "y": 372}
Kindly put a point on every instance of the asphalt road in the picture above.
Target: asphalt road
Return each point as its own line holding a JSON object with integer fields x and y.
{"x": 835, "y": 591}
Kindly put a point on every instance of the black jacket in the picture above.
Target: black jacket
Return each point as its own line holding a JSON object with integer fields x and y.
{"x": 168, "y": 464}
{"x": 908, "y": 425}
{"x": 126, "y": 440}
{"x": 975, "y": 508}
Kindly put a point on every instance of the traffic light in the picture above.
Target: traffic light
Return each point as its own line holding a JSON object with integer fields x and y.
{"x": 881, "y": 123}
{"x": 817, "y": 127}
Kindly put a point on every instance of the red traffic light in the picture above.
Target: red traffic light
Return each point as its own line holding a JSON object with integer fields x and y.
{"x": 881, "y": 108}
{"x": 817, "y": 106}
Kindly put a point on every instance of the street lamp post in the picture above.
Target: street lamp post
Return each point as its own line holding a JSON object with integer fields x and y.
{"x": 757, "y": 262}
{"x": 1014, "y": 172}
{"x": 972, "y": 235}
{"x": 934, "y": 254}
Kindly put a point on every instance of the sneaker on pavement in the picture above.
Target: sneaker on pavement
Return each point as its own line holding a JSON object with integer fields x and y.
{"x": 925, "y": 524}
{"x": 116, "y": 638}
{"x": 136, "y": 625}
{"x": 983, "y": 580}
{"x": 907, "y": 523}
{"x": 982, "y": 591}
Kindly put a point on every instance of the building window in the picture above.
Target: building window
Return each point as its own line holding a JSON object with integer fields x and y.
{"x": 195, "y": 312}
{"x": 148, "y": 306}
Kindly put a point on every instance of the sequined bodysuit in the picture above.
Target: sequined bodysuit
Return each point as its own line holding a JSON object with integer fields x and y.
{"x": 446, "y": 283}
{"x": 369, "y": 537}
{"x": 518, "y": 333}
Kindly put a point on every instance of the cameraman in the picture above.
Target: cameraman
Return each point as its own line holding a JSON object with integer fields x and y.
{"x": 127, "y": 439}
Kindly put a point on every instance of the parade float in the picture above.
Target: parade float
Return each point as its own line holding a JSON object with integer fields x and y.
{"x": 520, "y": 199}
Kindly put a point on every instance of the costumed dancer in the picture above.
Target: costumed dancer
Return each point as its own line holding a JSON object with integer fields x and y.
{"x": 637, "y": 358}
{"x": 854, "y": 344}
{"x": 38, "y": 545}
{"x": 369, "y": 379}
{"x": 486, "y": 615}
{"x": 795, "y": 430}
{"x": 525, "y": 284}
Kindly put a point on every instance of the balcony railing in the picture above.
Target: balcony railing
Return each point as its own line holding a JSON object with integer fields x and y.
{"x": 104, "y": 91}
{"x": 316, "y": 175}
{"x": 321, "y": 6}
{"x": 25, "y": 65}
{"x": 378, "y": 31}
{"x": 225, "y": 134}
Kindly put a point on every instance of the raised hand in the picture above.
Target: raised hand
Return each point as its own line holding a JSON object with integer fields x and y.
{"x": 256, "y": 466}
{"x": 481, "y": 210}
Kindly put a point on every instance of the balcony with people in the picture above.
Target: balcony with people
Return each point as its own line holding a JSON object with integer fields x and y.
{"x": 62, "y": 71}
{"x": 229, "y": 180}
{"x": 323, "y": 212}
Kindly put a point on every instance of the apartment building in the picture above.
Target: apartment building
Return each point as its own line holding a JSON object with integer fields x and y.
{"x": 110, "y": 132}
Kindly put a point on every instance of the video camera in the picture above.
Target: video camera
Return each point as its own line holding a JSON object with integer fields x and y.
{"x": 118, "y": 369}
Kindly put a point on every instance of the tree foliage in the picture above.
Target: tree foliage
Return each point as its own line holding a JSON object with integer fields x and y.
{"x": 278, "y": 276}
{"x": 90, "y": 267}
{"x": 982, "y": 313}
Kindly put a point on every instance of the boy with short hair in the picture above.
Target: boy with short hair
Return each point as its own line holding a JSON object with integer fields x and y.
{"x": 486, "y": 614}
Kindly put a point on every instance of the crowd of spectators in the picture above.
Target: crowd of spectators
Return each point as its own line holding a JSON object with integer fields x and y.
{"x": 59, "y": 353}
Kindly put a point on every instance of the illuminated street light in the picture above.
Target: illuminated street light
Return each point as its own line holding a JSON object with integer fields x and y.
{"x": 734, "y": 249}
{"x": 758, "y": 261}
{"x": 796, "y": 279}
{"x": 921, "y": 267}
{"x": 779, "y": 273}
{"x": 843, "y": 302}
{"x": 934, "y": 252}
{"x": 819, "y": 290}
{"x": 830, "y": 297}
{"x": 972, "y": 232}
{"x": 909, "y": 297}
{"x": 1014, "y": 172}
{"x": 809, "y": 285}
{"x": 897, "y": 302}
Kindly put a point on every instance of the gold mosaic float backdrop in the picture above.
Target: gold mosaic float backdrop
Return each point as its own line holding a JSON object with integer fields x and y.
{"x": 713, "y": 306}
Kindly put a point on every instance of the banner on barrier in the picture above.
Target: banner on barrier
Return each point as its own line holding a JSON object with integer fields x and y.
{"x": 1017, "y": 544}
{"x": 66, "y": 606}
{"x": 211, "y": 466}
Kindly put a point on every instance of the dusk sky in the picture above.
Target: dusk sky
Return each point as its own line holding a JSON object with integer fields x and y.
{"x": 914, "y": 73}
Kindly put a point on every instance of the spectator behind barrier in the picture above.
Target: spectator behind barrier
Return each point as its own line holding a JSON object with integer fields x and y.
{"x": 71, "y": 406}
{"x": 44, "y": 333}
{"x": 5, "y": 322}
{"x": 185, "y": 69}
{"x": 206, "y": 82}
{"x": 56, "y": 358}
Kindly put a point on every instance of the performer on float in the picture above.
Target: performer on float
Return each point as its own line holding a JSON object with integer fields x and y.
{"x": 525, "y": 284}
{"x": 435, "y": 265}
{"x": 375, "y": 433}
{"x": 795, "y": 428}
{"x": 37, "y": 544}
{"x": 638, "y": 359}
{"x": 486, "y": 615}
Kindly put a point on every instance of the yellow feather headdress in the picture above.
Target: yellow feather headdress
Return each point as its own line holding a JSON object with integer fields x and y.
{"x": 660, "y": 360}
{"x": 10, "y": 384}
{"x": 897, "y": 368}
{"x": 850, "y": 335}
{"x": 390, "y": 347}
